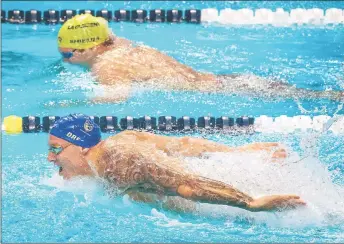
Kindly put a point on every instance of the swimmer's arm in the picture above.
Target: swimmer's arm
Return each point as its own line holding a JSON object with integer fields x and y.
{"x": 156, "y": 176}
{"x": 194, "y": 147}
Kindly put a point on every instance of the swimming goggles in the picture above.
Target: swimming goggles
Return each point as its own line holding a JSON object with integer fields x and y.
{"x": 68, "y": 55}
{"x": 56, "y": 149}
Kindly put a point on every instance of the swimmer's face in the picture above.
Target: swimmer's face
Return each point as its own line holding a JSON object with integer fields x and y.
{"x": 67, "y": 157}
{"x": 78, "y": 56}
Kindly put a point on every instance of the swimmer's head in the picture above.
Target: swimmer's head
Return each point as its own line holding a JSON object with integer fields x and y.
{"x": 70, "y": 139}
{"x": 83, "y": 31}
{"x": 80, "y": 36}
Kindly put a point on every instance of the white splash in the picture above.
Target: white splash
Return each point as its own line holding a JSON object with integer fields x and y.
{"x": 76, "y": 81}
{"x": 162, "y": 220}
{"x": 77, "y": 185}
{"x": 256, "y": 176}
{"x": 86, "y": 190}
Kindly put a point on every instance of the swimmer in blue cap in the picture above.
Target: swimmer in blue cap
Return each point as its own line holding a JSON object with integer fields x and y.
{"x": 70, "y": 140}
{"x": 118, "y": 64}
{"x": 143, "y": 164}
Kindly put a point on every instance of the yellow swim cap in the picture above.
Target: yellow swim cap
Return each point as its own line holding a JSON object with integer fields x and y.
{"x": 83, "y": 31}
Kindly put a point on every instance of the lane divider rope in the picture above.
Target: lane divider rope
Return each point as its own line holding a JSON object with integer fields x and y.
{"x": 243, "y": 124}
{"x": 228, "y": 16}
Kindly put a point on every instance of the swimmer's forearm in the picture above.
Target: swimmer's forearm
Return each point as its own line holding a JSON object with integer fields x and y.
{"x": 196, "y": 188}
{"x": 214, "y": 192}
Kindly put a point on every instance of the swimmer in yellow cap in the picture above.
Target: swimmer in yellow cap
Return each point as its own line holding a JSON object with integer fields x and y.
{"x": 149, "y": 166}
{"x": 118, "y": 63}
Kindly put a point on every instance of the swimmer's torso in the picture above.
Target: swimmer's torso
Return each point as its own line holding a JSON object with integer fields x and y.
{"x": 126, "y": 63}
{"x": 141, "y": 64}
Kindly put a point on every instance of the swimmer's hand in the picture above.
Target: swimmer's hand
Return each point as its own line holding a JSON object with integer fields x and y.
{"x": 275, "y": 203}
{"x": 277, "y": 150}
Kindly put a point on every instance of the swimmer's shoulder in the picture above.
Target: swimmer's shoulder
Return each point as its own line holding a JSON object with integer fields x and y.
{"x": 123, "y": 49}
{"x": 128, "y": 134}
{"x": 125, "y": 42}
{"x": 123, "y": 137}
{"x": 117, "y": 144}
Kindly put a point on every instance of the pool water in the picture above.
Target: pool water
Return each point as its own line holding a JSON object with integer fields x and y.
{"x": 38, "y": 206}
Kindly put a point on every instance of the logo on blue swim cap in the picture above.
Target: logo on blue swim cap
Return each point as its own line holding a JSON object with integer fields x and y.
{"x": 78, "y": 129}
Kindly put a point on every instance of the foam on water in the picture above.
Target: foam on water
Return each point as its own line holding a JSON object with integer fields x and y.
{"x": 76, "y": 80}
{"x": 161, "y": 219}
{"x": 76, "y": 185}
{"x": 92, "y": 90}
{"x": 252, "y": 173}
{"x": 255, "y": 175}
{"x": 86, "y": 190}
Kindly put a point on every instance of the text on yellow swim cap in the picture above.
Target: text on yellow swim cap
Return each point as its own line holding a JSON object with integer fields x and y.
{"x": 83, "y": 31}
{"x": 13, "y": 124}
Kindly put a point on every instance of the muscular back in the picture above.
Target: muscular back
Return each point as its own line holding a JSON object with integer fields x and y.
{"x": 127, "y": 63}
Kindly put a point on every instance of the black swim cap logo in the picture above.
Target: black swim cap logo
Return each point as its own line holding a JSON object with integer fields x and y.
{"x": 88, "y": 126}
{"x": 60, "y": 39}
{"x": 86, "y": 25}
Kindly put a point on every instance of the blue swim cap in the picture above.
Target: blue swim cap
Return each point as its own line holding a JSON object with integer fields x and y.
{"x": 78, "y": 129}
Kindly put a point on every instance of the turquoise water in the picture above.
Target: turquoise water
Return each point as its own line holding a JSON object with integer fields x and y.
{"x": 37, "y": 206}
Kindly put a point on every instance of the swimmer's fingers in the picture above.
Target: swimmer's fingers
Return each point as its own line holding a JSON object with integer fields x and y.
{"x": 291, "y": 202}
{"x": 276, "y": 203}
{"x": 275, "y": 151}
